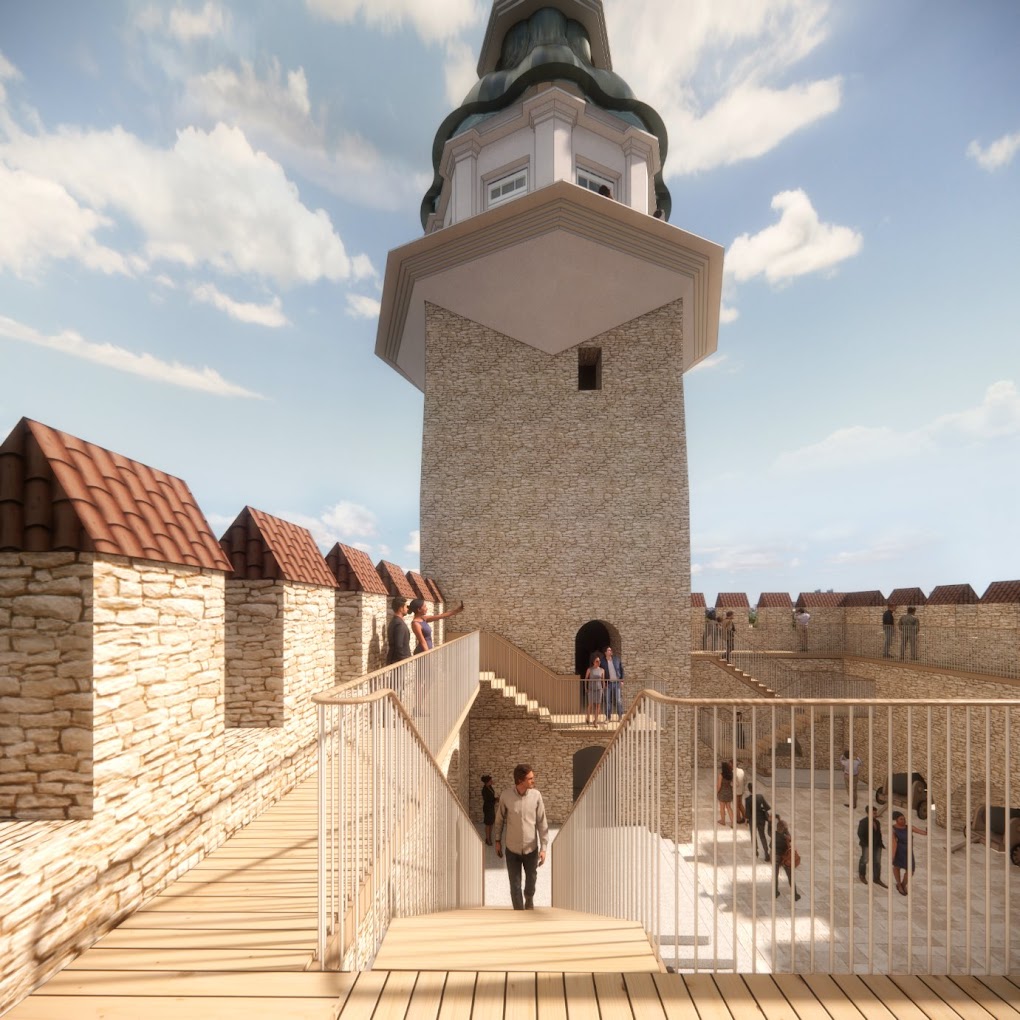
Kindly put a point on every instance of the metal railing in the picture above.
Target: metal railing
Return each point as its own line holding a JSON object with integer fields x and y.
{"x": 393, "y": 840}
{"x": 794, "y": 677}
{"x": 709, "y": 903}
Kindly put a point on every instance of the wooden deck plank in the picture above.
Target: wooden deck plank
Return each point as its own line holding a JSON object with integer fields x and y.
{"x": 396, "y": 995}
{"x": 676, "y": 999}
{"x": 458, "y": 996}
{"x": 185, "y": 938}
{"x": 520, "y": 997}
{"x": 221, "y": 919}
{"x": 644, "y": 998}
{"x": 614, "y": 1003}
{"x": 362, "y": 998}
{"x": 191, "y": 958}
{"x": 427, "y": 996}
{"x": 987, "y": 998}
{"x": 706, "y": 997}
{"x": 798, "y": 994}
{"x": 862, "y": 996}
{"x": 126, "y": 1007}
{"x": 895, "y": 999}
{"x": 737, "y": 996}
{"x": 579, "y": 991}
{"x": 954, "y": 996}
{"x": 551, "y": 996}
{"x": 837, "y": 1005}
{"x": 928, "y": 1001}
{"x": 769, "y": 999}
{"x": 1003, "y": 988}
{"x": 254, "y": 984}
{"x": 490, "y": 996}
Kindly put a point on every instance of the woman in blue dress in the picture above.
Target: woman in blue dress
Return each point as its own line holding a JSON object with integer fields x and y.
{"x": 421, "y": 625}
{"x": 595, "y": 679}
{"x": 899, "y": 851}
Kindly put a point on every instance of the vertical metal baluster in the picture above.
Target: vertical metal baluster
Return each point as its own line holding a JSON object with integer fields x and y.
{"x": 695, "y": 834}
{"x": 910, "y": 838}
{"x": 988, "y": 838}
{"x": 1008, "y": 910}
{"x": 970, "y": 840}
{"x": 949, "y": 837}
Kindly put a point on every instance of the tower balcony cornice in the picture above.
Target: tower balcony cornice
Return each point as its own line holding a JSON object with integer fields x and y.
{"x": 569, "y": 265}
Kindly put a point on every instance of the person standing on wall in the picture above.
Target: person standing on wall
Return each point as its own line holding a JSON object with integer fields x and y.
{"x": 851, "y": 771}
{"x": 614, "y": 694}
{"x": 521, "y": 814}
{"x": 889, "y": 628}
{"x": 909, "y": 626}
{"x": 422, "y": 624}
{"x": 729, "y": 634}
{"x": 398, "y": 637}
{"x": 801, "y": 619}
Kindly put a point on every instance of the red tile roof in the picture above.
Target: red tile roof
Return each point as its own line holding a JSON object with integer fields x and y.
{"x": 418, "y": 584}
{"x": 263, "y": 547}
{"x": 437, "y": 595}
{"x": 1002, "y": 591}
{"x": 393, "y": 577}
{"x": 907, "y": 597}
{"x": 863, "y": 598}
{"x": 819, "y": 599}
{"x": 697, "y": 600}
{"x": 353, "y": 570}
{"x": 952, "y": 595}
{"x": 58, "y": 492}
{"x": 731, "y": 600}
{"x": 775, "y": 600}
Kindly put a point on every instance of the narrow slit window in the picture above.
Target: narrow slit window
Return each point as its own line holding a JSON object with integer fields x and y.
{"x": 589, "y": 368}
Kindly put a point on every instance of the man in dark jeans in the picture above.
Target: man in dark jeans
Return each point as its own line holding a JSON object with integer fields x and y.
{"x": 876, "y": 848}
{"x": 398, "y": 637}
{"x": 521, "y": 812}
{"x": 757, "y": 812}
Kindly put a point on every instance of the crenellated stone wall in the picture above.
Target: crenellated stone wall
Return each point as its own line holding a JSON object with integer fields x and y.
{"x": 309, "y": 663}
{"x": 46, "y": 756}
{"x": 360, "y": 641}
{"x": 254, "y": 652}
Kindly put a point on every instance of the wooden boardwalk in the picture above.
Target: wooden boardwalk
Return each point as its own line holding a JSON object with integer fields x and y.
{"x": 234, "y": 938}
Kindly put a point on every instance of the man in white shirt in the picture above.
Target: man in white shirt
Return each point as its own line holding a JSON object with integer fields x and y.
{"x": 801, "y": 619}
{"x": 613, "y": 695}
{"x": 521, "y": 812}
{"x": 851, "y": 769}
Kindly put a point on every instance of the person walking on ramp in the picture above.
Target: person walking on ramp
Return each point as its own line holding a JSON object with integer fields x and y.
{"x": 521, "y": 813}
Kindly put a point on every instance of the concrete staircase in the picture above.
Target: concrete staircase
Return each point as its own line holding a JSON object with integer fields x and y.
{"x": 745, "y": 678}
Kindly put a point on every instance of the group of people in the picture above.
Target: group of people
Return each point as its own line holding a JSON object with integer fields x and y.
{"x": 603, "y": 694}
{"x": 719, "y": 635}
{"x": 908, "y": 625}
{"x": 398, "y": 636}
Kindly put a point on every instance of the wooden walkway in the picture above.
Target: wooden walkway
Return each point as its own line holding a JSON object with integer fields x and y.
{"x": 232, "y": 940}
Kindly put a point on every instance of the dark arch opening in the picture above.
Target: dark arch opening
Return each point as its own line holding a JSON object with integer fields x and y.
{"x": 585, "y": 761}
{"x": 593, "y": 637}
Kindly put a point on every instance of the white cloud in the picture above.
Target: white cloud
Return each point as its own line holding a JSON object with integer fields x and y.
{"x": 710, "y": 363}
{"x": 737, "y": 559}
{"x": 996, "y": 417}
{"x": 351, "y": 520}
{"x": 42, "y": 222}
{"x": 211, "y": 199}
{"x": 999, "y": 154}
{"x": 433, "y": 20}
{"x": 270, "y": 315}
{"x": 361, "y": 307}
{"x": 798, "y": 244}
{"x": 728, "y": 314}
{"x": 722, "y": 85}
{"x": 185, "y": 24}
{"x": 460, "y": 71}
{"x": 413, "y": 543}
{"x": 148, "y": 366}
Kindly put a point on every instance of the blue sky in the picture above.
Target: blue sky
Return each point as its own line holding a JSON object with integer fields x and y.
{"x": 197, "y": 199}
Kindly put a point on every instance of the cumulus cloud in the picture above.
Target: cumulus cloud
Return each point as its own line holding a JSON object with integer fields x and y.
{"x": 185, "y": 24}
{"x": 433, "y": 20}
{"x": 42, "y": 222}
{"x": 727, "y": 314}
{"x": 211, "y": 199}
{"x": 999, "y": 154}
{"x": 359, "y": 306}
{"x": 736, "y": 559}
{"x": 714, "y": 361}
{"x": 723, "y": 84}
{"x": 270, "y": 315}
{"x": 996, "y": 417}
{"x": 413, "y": 543}
{"x": 205, "y": 380}
{"x": 460, "y": 72}
{"x": 351, "y": 520}
{"x": 798, "y": 244}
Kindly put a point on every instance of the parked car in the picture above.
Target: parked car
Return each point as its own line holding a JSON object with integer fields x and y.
{"x": 918, "y": 796}
{"x": 1001, "y": 838}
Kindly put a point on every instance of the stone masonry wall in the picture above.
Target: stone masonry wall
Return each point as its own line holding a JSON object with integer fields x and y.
{"x": 45, "y": 686}
{"x": 254, "y": 652}
{"x": 360, "y": 640}
{"x": 309, "y": 664}
{"x": 170, "y": 784}
{"x": 546, "y": 507}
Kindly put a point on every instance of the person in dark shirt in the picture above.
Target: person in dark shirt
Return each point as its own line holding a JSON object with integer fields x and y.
{"x": 757, "y": 811}
{"x": 398, "y": 637}
{"x": 889, "y": 627}
{"x": 870, "y": 823}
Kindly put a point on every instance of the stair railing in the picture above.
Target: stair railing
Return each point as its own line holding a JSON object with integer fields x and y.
{"x": 560, "y": 695}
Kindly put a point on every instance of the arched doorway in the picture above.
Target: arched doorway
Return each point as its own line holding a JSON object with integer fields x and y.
{"x": 585, "y": 761}
{"x": 593, "y": 637}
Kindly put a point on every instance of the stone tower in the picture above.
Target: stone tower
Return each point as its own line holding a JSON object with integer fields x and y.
{"x": 549, "y": 313}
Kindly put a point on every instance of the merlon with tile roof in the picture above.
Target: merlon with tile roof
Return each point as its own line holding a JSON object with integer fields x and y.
{"x": 952, "y": 595}
{"x": 1002, "y": 591}
{"x": 437, "y": 595}
{"x": 60, "y": 493}
{"x": 863, "y": 599}
{"x": 732, "y": 600}
{"x": 819, "y": 599}
{"x": 418, "y": 584}
{"x": 775, "y": 600}
{"x": 263, "y": 547}
{"x": 907, "y": 597}
{"x": 394, "y": 580}
{"x": 353, "y": 570}
{"x": 697, "y": 600}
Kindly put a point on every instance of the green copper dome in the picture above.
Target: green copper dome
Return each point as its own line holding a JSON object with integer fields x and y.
{"x": 547, "y": 47}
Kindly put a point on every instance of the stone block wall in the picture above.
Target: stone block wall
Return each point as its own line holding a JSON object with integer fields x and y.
{"x": 46, "y": 763}
{"x": 254, "y": 652}
{"x": 309, "y": 655}
{"x": 360, "y": 634}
